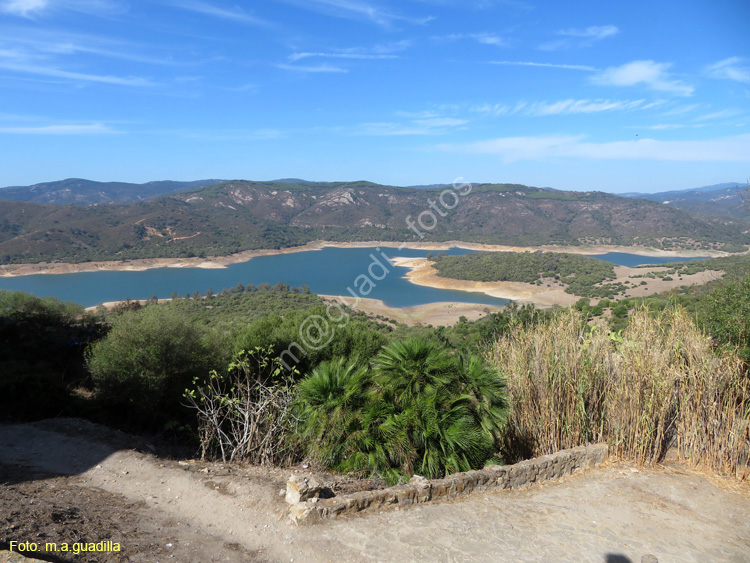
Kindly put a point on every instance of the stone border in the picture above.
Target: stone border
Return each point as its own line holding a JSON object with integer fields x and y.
{"x": 420, "y": 490}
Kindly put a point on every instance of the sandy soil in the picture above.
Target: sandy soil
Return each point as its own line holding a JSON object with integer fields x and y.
{"x": 437, "y": 314}
{"x": 76, "y": 484}
{"x": 421, "y": 272}
{"x": 12, "y": 270}
{"x": 550, "y": 293}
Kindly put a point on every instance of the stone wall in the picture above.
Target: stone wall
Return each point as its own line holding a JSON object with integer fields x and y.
{"x": 420, "y": 490}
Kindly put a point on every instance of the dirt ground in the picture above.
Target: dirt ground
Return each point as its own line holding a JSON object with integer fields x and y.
{"x": 71, "y": 481}
{"x": 437, "y": 314}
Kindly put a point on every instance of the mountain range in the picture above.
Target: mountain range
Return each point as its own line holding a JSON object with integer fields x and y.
{"x": 240, "y": 215}
{"x": 76, "y": 191}
{"x": 730, "y": 199}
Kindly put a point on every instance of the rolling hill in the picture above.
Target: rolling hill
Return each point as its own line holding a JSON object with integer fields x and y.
{"x": 75, "y": 191}
{"x": 241, "y": 215}
{"x": 729, "y": 199}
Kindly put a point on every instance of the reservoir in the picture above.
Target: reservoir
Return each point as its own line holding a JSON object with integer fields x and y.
{"x": 330, "y": 271}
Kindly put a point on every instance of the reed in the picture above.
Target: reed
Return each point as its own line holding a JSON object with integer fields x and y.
{"x": 655, "y": 386}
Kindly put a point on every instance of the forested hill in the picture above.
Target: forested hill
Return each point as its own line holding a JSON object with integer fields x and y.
{"x": 241, "y": 215}
{"x": 76, "y": 191}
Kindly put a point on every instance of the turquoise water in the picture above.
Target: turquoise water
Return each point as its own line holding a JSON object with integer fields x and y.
{"x": 332, "y": 271}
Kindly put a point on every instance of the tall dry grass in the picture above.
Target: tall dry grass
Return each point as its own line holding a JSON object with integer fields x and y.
{"x": 657, "y": 385}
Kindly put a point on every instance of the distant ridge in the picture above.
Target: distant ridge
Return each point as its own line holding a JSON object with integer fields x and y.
{"x": 229, "y": 217}
{"x": 77, "y": 191}
{"x": 725, "y": 199}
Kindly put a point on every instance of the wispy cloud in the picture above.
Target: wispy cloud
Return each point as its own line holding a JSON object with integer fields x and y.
{"x": 357, "y": 10}
{"x": 483, "y": 38}
{"x": 380, "y": 51}
{"x": 425, "y": 126}
{"x": 733, "y": 68}
{"x": 580, "y": 37}
{"x": 722, "y": 114}
{"x": 74, "y": 76}
{"x": 92, "y": 129}
{"x": 513, "y": 149}
{"x": 22, "y": 8}
{"x": 32, "y": 8}
{"x": 324, "y": 68}
{"x": 364, "y": 56}
{"x": 651, "y": 74}
{"x": 234, "y": 14}
{"x": 596, "y": 32}
{"x": 45, "y": 45}
{"x": 560, "y": 107}
{"x": 545, "y": 65}
{"x": 681, "y": 110}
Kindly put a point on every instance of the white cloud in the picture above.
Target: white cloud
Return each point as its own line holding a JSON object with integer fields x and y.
{"x": 582, "y": 106}
{"x": 23, "y": 7}
{"x": 441, "y": 122}
{"x": 313, "y": 69}
{"x": 560, "y": 107}
{"x": 75, "y": 76}
{"x": 647, "y": 73}
{"x": 93, "y": 129}
{"x": 719, "y": 114}
{"x": 546, "y": 65}
{"x": 364, "y": 56}
{"x": 596, "y": 32}
{"x": 30, "y": 8}
{"x": 483, "y": 38}
{"x": 660, "y": 127}
{"x": 733, "y": 68}
{"x": 513, "y": 149}
{"x": 580, "y": 37}
{"x": 235, "y": 14}
{"x": 425, "y": 126}
{"x": 356, "y": 10}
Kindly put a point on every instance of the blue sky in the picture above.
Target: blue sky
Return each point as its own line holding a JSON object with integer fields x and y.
{"x": 612, "y": 96}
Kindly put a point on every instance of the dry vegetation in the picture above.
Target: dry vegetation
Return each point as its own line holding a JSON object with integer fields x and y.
{"x": 658, "y": 384}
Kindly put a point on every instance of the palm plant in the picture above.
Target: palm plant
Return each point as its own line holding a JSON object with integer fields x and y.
{"x": 421, "y": 409}
{"x": 329, "y": 402}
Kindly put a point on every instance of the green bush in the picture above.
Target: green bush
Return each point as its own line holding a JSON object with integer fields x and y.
{"x": 420, "y": 410}
{"x": 725, "y": 314}
{"x": 142, "y": 367}
{"x": 326, "y": 340}
{"x": 41, "y": 356}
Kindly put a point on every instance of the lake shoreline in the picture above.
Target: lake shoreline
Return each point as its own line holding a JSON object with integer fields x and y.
{"x": 218, "y": 262}
{"x": 551, "y": 293}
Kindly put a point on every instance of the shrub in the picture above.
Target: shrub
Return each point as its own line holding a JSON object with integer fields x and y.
{"x": 244, "y": 414}
{"x": 725, "y": 313}
{"x": 420, "y": 409}
{"x": 42, "y": 341}
{"x": 142, "y": 367}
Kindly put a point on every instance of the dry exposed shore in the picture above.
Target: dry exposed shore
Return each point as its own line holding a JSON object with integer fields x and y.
{"x": 13, "y": 270}
{"x": 437, "y": 314}
{"x": 550, "y": 293}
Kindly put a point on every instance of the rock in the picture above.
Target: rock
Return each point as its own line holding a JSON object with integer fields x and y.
{"x": 419, "y": 481}
{"x": 300, "y": 488}
{"x": 648, "y": 558}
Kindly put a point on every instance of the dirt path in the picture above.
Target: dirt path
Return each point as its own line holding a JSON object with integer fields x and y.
{"x": 60, "y": 486}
